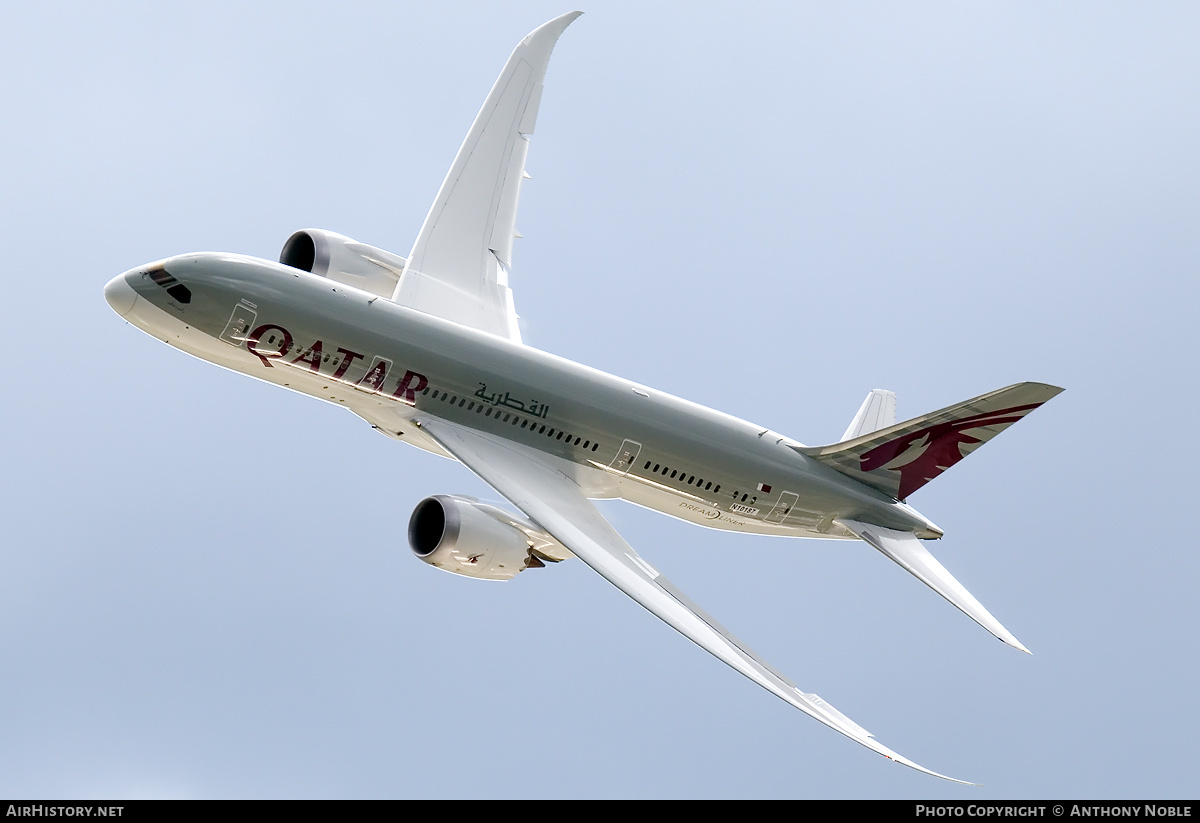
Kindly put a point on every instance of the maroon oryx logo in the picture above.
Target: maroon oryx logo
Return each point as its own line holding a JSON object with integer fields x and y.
{"x": 941, "y": 444}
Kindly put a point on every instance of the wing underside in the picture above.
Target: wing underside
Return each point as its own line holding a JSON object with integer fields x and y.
{"x": 558, "y": 505}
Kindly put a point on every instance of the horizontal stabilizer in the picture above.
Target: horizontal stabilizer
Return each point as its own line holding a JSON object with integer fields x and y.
{"x": 902, "y": 458}
{"x": 877, "y": 412}
{"x": 909, "y": 552}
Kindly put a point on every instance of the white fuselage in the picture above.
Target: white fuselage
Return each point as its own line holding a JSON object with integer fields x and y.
{"x": 395, "y": 366}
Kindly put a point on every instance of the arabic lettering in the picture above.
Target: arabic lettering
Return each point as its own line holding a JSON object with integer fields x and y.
{"x": 533, "y": 408}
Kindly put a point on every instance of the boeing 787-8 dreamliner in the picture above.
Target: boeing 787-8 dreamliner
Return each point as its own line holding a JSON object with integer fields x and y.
{"x": 427, "y": 349}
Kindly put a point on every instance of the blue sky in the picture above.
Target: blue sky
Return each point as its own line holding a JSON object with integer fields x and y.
{"x": 771, "y": 209}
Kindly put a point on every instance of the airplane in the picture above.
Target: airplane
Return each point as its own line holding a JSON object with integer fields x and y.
{"x": 427, "y": 349}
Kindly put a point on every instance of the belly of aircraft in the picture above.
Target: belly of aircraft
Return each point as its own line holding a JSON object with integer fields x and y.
{"x": 710, "y": 514}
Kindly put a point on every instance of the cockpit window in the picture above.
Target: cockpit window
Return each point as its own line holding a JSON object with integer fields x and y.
{"x": 177, "y": 290}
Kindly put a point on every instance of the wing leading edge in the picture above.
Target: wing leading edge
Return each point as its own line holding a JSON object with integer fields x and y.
{"x": 559, "y": 506}
{"x": 458, "y": 266}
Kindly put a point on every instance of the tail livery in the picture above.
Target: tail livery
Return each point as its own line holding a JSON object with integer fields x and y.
{"x": 902, "y": 458}
{"x": 899, "y": 459}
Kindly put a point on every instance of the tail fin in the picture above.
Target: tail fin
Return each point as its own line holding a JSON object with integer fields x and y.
{"x": 902, "y": 458}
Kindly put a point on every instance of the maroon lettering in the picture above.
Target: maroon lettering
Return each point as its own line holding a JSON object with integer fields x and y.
{"x": 411, "y": 383}
{"x": 312, "y": 357}
{"x": 285, "y": 344}
{"x": 348, "y": 357}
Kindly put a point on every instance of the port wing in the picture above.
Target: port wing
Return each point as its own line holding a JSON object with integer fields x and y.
{"x": 557, "y": 504}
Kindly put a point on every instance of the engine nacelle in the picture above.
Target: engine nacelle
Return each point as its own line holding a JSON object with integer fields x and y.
{"x": 464, "y": 536}
{"x": 343, "y": 260}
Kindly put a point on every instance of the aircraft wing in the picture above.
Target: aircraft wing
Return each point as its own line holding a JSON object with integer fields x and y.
{"x": 458, "y": 267}
{"x": 558, "y": 505}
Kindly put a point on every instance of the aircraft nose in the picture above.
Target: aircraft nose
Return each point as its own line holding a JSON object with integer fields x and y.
{"x": 120, "y": 295}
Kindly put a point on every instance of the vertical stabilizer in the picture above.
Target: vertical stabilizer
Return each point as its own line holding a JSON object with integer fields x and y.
{"x": 900, "y": 459}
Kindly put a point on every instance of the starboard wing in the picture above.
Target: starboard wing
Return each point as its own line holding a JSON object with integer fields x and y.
{"x": 458, "y": 267}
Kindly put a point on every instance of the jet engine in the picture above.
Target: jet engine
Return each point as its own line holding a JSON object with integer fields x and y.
{"x": 337, "y": 257}
{"x": 462, "y": 535}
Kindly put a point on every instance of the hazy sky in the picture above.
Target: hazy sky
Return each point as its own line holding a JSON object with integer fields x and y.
{"x": 205, "y": 587}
